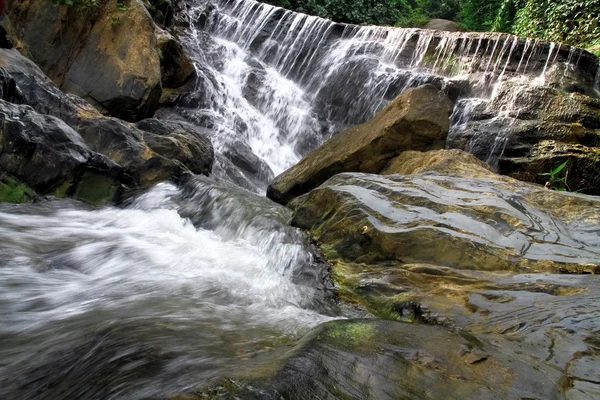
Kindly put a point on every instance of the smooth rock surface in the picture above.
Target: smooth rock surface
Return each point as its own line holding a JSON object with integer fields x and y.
{"x": 418, "y": 119}
{"x": 466, "y": 223}
{"x": 367, "y": 359}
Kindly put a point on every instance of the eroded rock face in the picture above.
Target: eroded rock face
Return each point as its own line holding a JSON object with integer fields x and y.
{"x": 527, "y": 130}
{"x": 444, "y": 241}
{"x": 418, "y": 119}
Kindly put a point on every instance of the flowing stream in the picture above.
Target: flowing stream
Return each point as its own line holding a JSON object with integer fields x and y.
{"x": 147, "y": 300}
{"x": 184, "y": 284}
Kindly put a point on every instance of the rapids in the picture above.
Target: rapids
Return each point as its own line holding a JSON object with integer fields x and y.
{"x": 148, "y": 299}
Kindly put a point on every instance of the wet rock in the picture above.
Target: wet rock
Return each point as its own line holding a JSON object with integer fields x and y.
{"x": 255, "y": 169}
{"x": 467, "y": 223}
{"x": 24, "y": 83}
{"x": 418, "y": 119}
{"x": 390, "y": 360}
{"x": 176, "y": 68}
{"x": 110, "y": 58}
{"x": 49, "y": 157}
{"x": 143, "y": 150}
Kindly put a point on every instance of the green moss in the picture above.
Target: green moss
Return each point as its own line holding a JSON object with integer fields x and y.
{"x": 357, "y": 336}
{"x": 13, "y": 191}
{"x": 95, "y": 189}
{"x": 61, "y": 191}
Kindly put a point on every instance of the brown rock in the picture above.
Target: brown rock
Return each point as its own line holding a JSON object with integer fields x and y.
{"x": 418, "y": 119}
{"x": 442, "y": 161}
{"x": 109, "y": 57}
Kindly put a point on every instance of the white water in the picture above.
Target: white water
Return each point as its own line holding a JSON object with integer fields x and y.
{"x": 145, "y": 282}
{"x": 280, "y": 83}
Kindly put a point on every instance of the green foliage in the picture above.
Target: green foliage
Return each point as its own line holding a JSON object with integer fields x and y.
{"x": 479, "y": 15}
{"x": 406, "y": 13}
{"x": 574, "y": 22}
{"x": 556, "y": 179}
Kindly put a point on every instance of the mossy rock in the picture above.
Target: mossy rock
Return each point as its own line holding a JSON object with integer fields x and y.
{"x": 14, "y": 191}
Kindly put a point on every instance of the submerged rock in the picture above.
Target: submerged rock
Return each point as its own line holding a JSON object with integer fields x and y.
{"x": 367, "y": 359}
{"x": 418, "y": 119}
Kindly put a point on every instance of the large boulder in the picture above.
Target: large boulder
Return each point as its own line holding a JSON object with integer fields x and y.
{"x": 443, "y": 240}
{"x": 49, "y": 157}
{"x": 418, "y": 119}
{"x": 490, "y": 222}
{"x": 110, "y": 57}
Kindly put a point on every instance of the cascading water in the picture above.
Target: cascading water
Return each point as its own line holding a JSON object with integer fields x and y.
{"x": 184, "y": 284}
{"x": 144, "y": 301}
{"x": 274, "y": 83}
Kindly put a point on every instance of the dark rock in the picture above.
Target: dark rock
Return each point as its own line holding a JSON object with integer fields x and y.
{"x": 179, "y": 141}
{"x": 418, "y": 119}
{"x": 582, "y": 172}
{"x": 176, "y": 68}
{"x": 51, "y": 158}
{"x": 125, "y": 145}
{"x": 242, "y": 156}
{"x": 24, "y": 83}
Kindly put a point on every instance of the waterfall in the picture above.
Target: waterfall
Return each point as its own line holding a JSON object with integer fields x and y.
{"x": 277, "y": 83}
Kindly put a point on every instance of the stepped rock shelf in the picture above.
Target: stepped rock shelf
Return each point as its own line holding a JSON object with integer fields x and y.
{"x": 400, "y": 258}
